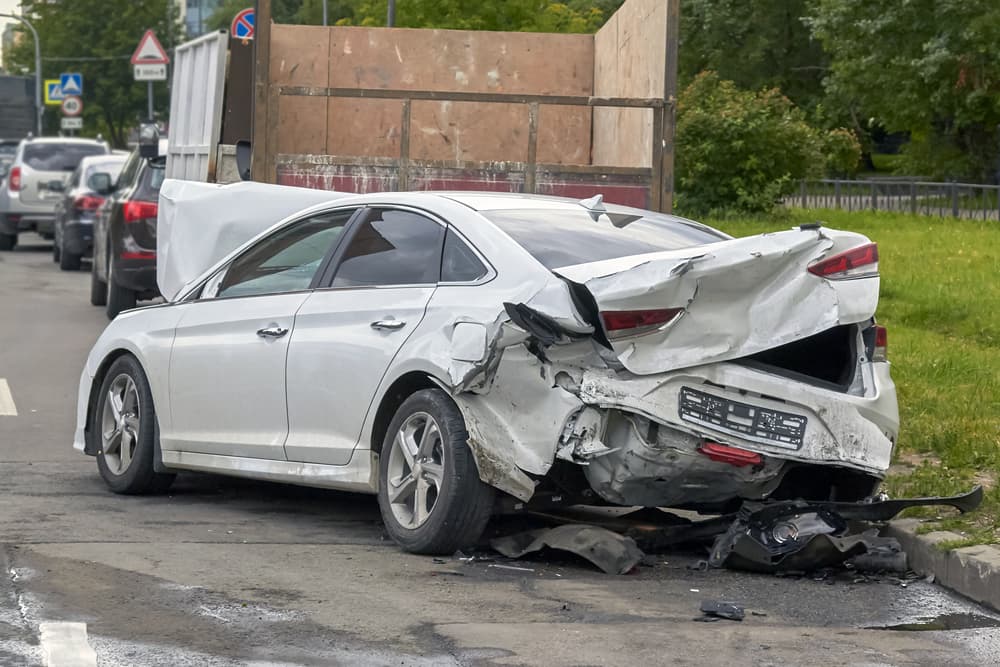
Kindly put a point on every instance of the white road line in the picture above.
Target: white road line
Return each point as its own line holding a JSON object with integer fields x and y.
{"x": 65, "y": 645}
{"x": 7, "y": 406}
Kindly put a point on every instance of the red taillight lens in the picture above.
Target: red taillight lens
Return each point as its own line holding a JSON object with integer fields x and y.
{"x": 14, "y": 179}
{"x": 626, "y": 323}
{"x": 88, "y": 203}
{"x": 135, "y": 211}
{"x": 731, "y": 455}
{"x": 881, "y": 351}
{"x": 860, "y": 262}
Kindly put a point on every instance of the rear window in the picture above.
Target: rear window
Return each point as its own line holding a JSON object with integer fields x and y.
{"x": 7, "y": 149}
{"x": 150, "y": 180}
{"x": 564, "y": 237}
{"x": 113, "y": 168}
{"x": 58, "y": 157}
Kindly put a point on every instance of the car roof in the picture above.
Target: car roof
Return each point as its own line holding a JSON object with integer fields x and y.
{"x": 64, "y": 140}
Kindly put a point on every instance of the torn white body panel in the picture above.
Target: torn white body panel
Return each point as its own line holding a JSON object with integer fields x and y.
{"x": 739, "y": 297}
{"x": 200, "y": 223}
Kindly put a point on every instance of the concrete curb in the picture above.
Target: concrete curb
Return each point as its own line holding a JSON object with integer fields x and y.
{"x": 970, "y": 571}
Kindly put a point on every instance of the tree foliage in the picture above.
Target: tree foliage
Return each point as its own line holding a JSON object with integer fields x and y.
{"x": 929, "y": 67}
{"x": 513, "y": 15}
{"x": 743, "y": 150}
{"x": 113, "y": 101}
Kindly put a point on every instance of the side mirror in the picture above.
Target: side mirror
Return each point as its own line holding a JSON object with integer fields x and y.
{"x": 244, "y": 154}
{"x": 149, "y": 141}
{"x": 100, "y": 183}
{"x": 55, "y": 186}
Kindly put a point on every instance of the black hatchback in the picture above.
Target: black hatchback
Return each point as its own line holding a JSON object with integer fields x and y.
{"x": 124, "y": 266}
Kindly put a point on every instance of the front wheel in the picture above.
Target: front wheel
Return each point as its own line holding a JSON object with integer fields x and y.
{"x": 124, "y": 421}
{"x": 98, "y": 288}
{"x": 119, "y": 298}
{"x": 430, "y": 495}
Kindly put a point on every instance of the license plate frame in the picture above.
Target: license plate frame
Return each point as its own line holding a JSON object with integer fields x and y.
{"x": 752, "y": 422}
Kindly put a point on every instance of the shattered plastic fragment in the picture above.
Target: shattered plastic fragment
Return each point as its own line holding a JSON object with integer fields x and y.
{"x": 611, "y": 552}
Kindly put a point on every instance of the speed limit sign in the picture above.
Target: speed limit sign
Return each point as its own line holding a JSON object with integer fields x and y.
{"x": 72, "y": 105}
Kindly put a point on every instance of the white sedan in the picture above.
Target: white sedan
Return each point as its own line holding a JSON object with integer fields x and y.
{"x": 445, "y": 350}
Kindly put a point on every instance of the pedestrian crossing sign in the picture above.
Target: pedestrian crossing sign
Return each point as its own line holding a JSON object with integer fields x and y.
{"x": 53, "y": 93}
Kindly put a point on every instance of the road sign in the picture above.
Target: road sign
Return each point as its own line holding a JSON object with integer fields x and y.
{"x": 75, "y": 123}
{"x": 243, "y": 25}
{"x": 53, "y": 93}
{"x": 149, "y": 51}
{"x": 149, "y": 72}
{"x": 72, "y": 105}
{"x": 71, "y": 83}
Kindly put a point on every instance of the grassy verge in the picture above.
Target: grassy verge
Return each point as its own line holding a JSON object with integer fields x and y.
{"x": 941, "y": 304}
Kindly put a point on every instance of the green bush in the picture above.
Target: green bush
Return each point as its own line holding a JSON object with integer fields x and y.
{"x": 843, "y": 152}
{"x": 742, "y": 151}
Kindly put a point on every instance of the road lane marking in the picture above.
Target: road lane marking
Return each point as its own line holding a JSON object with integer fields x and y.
{"x": 65, "y": 645}
{"x": 7, "y": 406}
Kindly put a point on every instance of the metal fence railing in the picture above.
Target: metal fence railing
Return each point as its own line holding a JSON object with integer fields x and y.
{"x": 958, "y": 200}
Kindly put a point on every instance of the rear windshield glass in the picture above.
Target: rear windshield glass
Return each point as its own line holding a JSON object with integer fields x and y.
{"x": 150, "y": 181}
{"x": 59, "y": 157}
{"x": 113, "y": 168}
{"x": 7, "y": 149}
{"x": 564, "y": 237}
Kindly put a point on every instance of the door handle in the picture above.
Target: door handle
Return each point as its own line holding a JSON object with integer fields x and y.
{"x": 388, "y": 325}
{"x": 272, "y": 332}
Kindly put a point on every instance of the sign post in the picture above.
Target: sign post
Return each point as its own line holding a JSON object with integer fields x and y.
{"x": 149, "y": 64}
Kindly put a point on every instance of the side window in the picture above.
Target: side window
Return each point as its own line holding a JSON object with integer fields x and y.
{"x": 285, "y": 261}
{"x": 459, "y": 264}
{"x": 127, "y": 174}
{"x": 392, "y": 248}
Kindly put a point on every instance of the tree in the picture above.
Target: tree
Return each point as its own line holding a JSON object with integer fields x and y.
{"x": 96, "y": 38}
{"x": 930, "y": 67}
{"x": 754, "y": 43}
{"x": 512, "y": 15}
{"x": 740, "y": 150}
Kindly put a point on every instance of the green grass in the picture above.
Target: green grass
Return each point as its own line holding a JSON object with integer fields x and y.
{"x": 886, "y": 163}
{"x": 941, "y": 304}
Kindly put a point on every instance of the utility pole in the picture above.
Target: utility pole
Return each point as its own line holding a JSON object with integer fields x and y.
{"x": 324, "y": 12}
{"x": 391, "y": 18}
{"x": 39, "y": 109}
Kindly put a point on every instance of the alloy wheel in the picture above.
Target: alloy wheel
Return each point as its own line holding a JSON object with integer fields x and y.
{"x": 416, "y": 470}
{"x": 120, "y": 424}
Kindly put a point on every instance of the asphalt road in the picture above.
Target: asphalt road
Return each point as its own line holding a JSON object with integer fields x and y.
{"x": 226, "y": 572}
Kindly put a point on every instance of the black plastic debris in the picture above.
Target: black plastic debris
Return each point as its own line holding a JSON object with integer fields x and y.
{"x": 716, "y": 609}
{"x": 611, "y": 552}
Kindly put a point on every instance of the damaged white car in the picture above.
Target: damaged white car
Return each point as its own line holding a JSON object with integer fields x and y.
{"x": 448, "y": 350}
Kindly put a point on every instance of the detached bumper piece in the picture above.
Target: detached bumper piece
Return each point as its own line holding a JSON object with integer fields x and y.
{"x": 805, "y": 536}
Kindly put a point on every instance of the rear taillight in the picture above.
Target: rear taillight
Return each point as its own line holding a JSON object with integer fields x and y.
{"x": 136, "y": 211}
{"x": 628, "y": 323}
{"x": 14, "y": 179}
{"x": 731, "y": 455}
{"x": 88, "y": 203}
{"x": 860, "y": 262}
{"x": 881, "y": 350}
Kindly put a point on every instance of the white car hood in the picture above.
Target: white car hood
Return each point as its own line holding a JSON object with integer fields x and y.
{"x": 200, "y": 223}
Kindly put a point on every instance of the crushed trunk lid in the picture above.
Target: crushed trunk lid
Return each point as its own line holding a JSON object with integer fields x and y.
{"x": 724, "y": 300}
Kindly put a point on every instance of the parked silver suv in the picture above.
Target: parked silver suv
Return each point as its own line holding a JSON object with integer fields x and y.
{"x": 36, "y": 181}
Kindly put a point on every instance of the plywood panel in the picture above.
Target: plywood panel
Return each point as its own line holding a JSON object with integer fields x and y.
{"x": 564, "y": 135}
{"x": 300, "y": 55}
{"x": 468, "y": 131}
{"x": 368, "y": 128}
{"x": 461, "y": 60}
{"x": 302, "y": 126}
{"x": 629, "y": 61}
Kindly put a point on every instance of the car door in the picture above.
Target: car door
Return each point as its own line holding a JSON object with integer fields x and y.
{"x": 227, "y": 363}
{"x": 348, "y": 333}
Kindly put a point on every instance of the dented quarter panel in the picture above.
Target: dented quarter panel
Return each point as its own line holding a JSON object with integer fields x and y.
{"x": 740, "y": 296}
{"x": 853, "y": 431}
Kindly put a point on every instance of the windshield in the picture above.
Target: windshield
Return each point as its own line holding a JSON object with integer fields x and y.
{"x": 59, "y": 157}
{"x": 565, "y": 237}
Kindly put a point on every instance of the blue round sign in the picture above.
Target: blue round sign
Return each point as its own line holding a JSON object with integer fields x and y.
{"x": 242, "y": 27}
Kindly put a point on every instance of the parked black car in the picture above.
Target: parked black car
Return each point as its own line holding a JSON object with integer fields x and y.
{"x": 75, "y": 212}
{"x": 124, "y": 266}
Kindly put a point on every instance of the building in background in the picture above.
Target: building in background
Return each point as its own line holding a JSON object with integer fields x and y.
{"x": 196, "y": 14}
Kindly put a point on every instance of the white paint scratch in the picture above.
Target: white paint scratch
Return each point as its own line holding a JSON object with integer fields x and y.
{"x": 399, "y": 56}
{"x": 65, "y": 645}
{"x": 7, "y": 406}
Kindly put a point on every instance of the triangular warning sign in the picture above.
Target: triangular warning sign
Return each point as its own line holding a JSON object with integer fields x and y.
{"x": 149, "y": 51}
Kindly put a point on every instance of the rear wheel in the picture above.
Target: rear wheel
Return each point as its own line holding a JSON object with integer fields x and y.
{"x": 98, "y": 288}
{"x": 430, "y": 495}
{"x": 68, "y": 261}
{"x": 56, "y": 251}
{"x": 8, "y": 241}
{"x": 124, "y": 421}
{"x": 119, "y": 298}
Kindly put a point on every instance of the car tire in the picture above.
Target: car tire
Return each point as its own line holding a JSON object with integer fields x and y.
{"x": 456, "y": 510}
{"x": 8, "y": 241}
{"x": 56, "y": 252}
{"x": 98, "y": 288}
{"x": 119, "y": 298}
{"x": 68, "y": 261}
{"x": 124, "y": 408}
